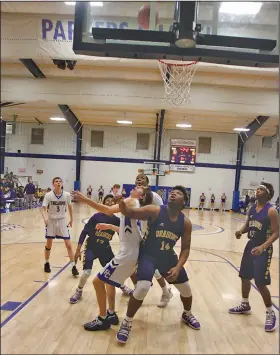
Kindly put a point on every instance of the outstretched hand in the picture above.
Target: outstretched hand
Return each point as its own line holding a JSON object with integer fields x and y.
{"x": 77, "y": 195}
{"x": 119, "y": 199}
{"x": 102, "y": 227}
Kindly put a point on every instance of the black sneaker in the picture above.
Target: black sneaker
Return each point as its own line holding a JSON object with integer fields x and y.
{"x": 97, "y": 324}
{"x": 112, "y": 318}
{"x": 47, "y": 267}
{"x": 75, "y": 272}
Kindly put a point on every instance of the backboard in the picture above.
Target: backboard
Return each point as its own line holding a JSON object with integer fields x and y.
{"x": 215, "y": 32}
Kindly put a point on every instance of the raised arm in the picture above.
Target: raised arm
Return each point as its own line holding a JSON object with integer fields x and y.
{"x": 142, "y": 213}
{"x": 99, "y": 207}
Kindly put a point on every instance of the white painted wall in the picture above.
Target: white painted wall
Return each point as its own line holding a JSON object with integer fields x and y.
{"x": 248, "y": 177}
{"x": 58, "y": 139}
{"x": 51, "y": 168}
{"x": 120, "y": 142}
{"x": 255, "y": 155}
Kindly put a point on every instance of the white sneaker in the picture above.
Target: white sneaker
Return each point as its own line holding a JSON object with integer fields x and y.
{"x": 165, "y": 298}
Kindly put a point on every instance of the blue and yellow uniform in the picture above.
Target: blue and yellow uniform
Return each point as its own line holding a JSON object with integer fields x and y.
{"x": 156, "y": 250}
{"x": 257, "y": 266}
{"x": 98, "y": 242}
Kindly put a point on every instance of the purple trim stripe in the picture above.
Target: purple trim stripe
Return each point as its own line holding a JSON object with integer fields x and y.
{"x": 33, "y": 296}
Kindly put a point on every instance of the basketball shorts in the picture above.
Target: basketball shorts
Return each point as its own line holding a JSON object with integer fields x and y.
{"x": 91, "y": 253}
{"x": 57, "y": 228}
{"x": 256, "y": 267}
{"x": 147, "y": 265}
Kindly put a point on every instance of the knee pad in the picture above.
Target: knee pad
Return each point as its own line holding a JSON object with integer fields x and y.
{"x": 87, "y": 272}
{"x": 141, "y": 289}
{"x": 157, "y": 275}
{"x": 184, "y": 289}
{"x": 47, "y": 248}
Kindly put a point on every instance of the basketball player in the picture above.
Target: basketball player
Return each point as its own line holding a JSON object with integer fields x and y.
{"x": 89, "y": 191}
{"x": 223, "y": 202}
{"x": 202, "y": 201}
{"x": 97, "y": 246}
{"x": 212, "y": 202}
{"x": 123, "y": 264}
{"x": 143, "y": 180}
{"x": 100, "y": 193}
{"x": 262, "y": 227}
{"x": 54, "y": 210}
{"x": 166, "y": 225}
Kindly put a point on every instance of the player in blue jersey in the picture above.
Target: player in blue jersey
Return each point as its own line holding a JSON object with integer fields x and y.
{"x": 263, "y": 229}
{"x": 166, "y": 224}
{"x": 97, "y": 245}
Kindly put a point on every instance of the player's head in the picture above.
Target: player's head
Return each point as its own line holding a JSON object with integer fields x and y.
{"x": 116, "y": 188}
{"x": 109, "y": 200}
{"x": 178, "y": 197}
{"x": 142, "y": 180}
{"x": 57, "y": 182}
{"x": 143, "y": 194}
{"x": 265, "y": 192}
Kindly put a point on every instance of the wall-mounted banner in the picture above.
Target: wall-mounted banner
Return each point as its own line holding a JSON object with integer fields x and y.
{"x": 182, "y": 168}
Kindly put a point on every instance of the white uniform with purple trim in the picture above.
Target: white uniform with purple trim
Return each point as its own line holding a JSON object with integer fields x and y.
{"x": 57, "y": 207}
{"x": 123, "y": 264}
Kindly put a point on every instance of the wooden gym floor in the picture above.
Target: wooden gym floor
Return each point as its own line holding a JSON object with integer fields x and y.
{"x": 38, "y": 318}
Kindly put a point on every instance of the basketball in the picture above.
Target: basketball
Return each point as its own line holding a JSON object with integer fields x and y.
{"x": 144, "y": 17}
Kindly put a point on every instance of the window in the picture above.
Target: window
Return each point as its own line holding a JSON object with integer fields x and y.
{"x": 143, "y": 141}
{"x": 97, "y": 139}
{"x": 204, "y": 145}
{"x": 266, "y": 142}
{"x": 37, "y": 136}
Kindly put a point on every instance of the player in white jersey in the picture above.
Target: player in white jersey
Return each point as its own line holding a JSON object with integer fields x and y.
{"x": 54, "y": 211}
{"x": 143, "y": 180}
{"x": 124, "y": 262}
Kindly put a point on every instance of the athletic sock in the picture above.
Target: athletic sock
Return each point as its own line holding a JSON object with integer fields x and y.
{"x": 245, "y": 300}
{"x": 102, "y": 317}
{"x": 111, "y": 312}
{"x": 128, "y": 319}
{"x": 72, "y": 263}
{"x": 188, "y": 313}
{"x": 164, "y": 289}
{"x": 269, "y": 309}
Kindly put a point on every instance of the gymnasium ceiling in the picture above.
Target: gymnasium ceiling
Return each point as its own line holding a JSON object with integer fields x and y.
{"x": 231, "y": 113}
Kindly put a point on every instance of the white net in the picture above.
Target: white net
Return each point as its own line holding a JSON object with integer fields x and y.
{"x": 177, "y": 79}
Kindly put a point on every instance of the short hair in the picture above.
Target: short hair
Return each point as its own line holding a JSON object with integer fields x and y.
{"x": 116, "y": 186}
{"x": 57, "y": 177}
{"x": 183, "y": 190}
{"x": 147, "y": 197}
{"x": 106, "y": 198}
{"x": 270, "y": 188}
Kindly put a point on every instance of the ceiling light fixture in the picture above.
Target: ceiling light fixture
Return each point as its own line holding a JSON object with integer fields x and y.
{"x": 57, "y": 119}
{"x": 93, "y": 3}
{"x": 124, "y": 122}
{"x": 240, "y": 8}
{"x": 183, "y": 125}
{"x": 241, "y": 129}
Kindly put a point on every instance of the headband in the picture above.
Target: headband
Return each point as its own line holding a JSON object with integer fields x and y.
{"x": 265, "y": 188}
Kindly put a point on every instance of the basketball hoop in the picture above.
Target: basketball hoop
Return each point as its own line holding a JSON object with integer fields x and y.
{"x": 177, "y": 79}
